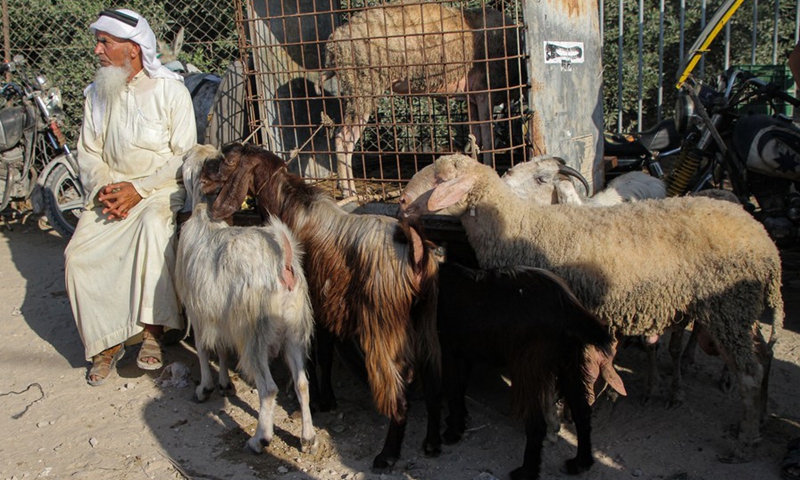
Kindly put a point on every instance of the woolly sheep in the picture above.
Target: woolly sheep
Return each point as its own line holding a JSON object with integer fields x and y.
{"x": 537, "y": 179}
{"x": 685, "y": 259}
{"x": 243, "y": 288}
{"x": 371, "y": 279}
{"x": 413, "y": 47}
{"x": 543, "y": 181}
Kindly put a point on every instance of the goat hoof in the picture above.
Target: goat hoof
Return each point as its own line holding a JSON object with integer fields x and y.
{"x": 522, "y": 473}
{"x": 726, "y": 382}
{"x": 431, "y": 449}
{"x": 734, "y": 457}
{"x": 452, "y": 436}
{"x": 676, "y": 400}
{"x": 202, "y": 394}
{"x": 256, "y": 445}
{"x": 227, "y": 390}
{"x": 574, "y": 466}
{"x": 326, "y": 406}
{"x": 383, "y": 463}
{"x": 309, "y": 445}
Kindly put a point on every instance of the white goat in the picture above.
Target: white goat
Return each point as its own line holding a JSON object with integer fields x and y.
{"x": 244, "y": 288}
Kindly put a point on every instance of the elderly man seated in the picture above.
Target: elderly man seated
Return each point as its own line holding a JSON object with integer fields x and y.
{"x": 138, "y": 123}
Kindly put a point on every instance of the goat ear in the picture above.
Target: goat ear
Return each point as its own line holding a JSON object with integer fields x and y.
{"x": 450, "y": 192}
{"x": 610, "y": 375}
{"x": 235, "y": 190}
{"x": 177, "y": 44}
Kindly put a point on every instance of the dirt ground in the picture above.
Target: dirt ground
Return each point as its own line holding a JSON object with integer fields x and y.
{"x": 141, "y": 426}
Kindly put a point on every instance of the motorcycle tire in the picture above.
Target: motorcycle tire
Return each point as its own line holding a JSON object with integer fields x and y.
{"x": 63, "y": 202}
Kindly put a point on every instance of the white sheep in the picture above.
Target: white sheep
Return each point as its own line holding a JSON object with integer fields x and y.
{"x": 544, "y": 181}
{"x": 421, "y": 47}
{"x": 537, "y": 179}
{"x": 244, "y": 288}
{"x": 684, "y": 259}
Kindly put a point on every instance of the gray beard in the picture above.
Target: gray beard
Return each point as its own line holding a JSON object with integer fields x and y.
{"x": 110, "y": 81}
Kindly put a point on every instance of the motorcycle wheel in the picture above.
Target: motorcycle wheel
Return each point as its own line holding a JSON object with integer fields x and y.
{"x": 63, "y": 202}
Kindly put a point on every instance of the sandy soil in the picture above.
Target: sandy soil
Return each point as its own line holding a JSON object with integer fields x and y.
{"x": 138, "y": 427}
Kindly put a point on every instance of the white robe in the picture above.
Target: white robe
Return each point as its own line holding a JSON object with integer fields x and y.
{"x": 119, "y": 272}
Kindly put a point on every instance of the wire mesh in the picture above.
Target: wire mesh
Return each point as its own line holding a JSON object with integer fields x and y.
{"x": 54, "y": 37}
{"x": 398, "y": 84}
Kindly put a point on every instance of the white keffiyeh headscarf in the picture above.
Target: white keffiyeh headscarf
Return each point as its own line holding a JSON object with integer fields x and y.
{"x": 129, "y": 25}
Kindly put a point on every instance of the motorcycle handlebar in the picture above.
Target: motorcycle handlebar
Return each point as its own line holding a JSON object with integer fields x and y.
{"x": 11, "y": 65}
{"x": 773, "y": 89}
{"x": 778, "y": 92}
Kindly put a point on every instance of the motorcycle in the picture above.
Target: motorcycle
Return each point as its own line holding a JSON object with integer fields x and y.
{"x": 731, "y": 134}
{"x": 38, "y": 171}
{"x": 630, "y": 152}
{"x": 736, "y": 137}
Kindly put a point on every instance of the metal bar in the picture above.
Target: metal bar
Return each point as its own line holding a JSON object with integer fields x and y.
{"x": 754, "y": 40}
{"x": 640, "y": 67}
{"x": 660, "y": 99}
{"x": 682, "y": 30}
{"x": 775, "y": 32}
{"x": 6, "y": 37}
{"x": 619, "y": 63}
{"x": 727, "y": 46}
{"x": 702, "y": 26}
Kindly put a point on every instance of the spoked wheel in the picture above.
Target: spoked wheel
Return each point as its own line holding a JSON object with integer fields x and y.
{"x": 63, "y": 201}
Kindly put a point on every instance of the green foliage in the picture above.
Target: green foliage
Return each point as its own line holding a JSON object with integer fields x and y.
{"x": 54, "y": 37}
{"x": 741, "y": 43}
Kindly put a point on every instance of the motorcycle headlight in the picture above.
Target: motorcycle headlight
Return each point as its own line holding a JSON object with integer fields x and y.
{"x": 43, "y": 82}
{"x": 54, "y": 105}
{"x": 684, "y": 112}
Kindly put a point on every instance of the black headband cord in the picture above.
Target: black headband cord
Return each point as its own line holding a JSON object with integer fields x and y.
{"x": 122, "y": 17}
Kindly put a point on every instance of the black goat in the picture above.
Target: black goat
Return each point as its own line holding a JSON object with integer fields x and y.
{"x": 528, "y": 320}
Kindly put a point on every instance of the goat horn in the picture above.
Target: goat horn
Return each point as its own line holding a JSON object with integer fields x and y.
{"x": 567, "y": 170}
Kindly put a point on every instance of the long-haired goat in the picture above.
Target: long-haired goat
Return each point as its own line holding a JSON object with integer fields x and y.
{"x": 244, "y": 288}
{"x": 422, "y": 47}
{"x": 695, "y": 259}
{"x": 528, "y": 320}
{"x": 371, "y": 278}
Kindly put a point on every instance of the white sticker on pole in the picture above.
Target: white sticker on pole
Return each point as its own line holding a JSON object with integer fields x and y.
{"x": 563, "y": 52}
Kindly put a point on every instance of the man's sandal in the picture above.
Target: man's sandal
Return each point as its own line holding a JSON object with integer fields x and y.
{"x": 150, "y": 349}
{"x": 103, "y": 364}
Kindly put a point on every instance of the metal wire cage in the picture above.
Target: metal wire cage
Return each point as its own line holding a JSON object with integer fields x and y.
{"x": 413, "y": 79}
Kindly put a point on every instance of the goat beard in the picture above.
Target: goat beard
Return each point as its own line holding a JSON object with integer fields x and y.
{"x": 110, "y": 81}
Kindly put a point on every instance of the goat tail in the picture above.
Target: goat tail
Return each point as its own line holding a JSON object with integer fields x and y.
{"x": 427, "y": 349}
{"x": 423, "y": 315}
{"x": 386, "y": 354}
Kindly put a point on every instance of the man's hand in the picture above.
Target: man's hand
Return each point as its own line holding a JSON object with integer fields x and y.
{"x": 118, "y": 199}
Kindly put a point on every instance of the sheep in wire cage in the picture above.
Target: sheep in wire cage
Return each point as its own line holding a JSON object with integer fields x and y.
{"x": 389, "y": 60}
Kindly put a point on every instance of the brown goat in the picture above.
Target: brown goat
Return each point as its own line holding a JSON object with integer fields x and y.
{"x": 371, "y": 279}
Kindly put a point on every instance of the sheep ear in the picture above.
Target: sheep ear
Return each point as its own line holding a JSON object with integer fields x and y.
{"x": 234, "y": 191}
{"x": 450, "y": 192}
